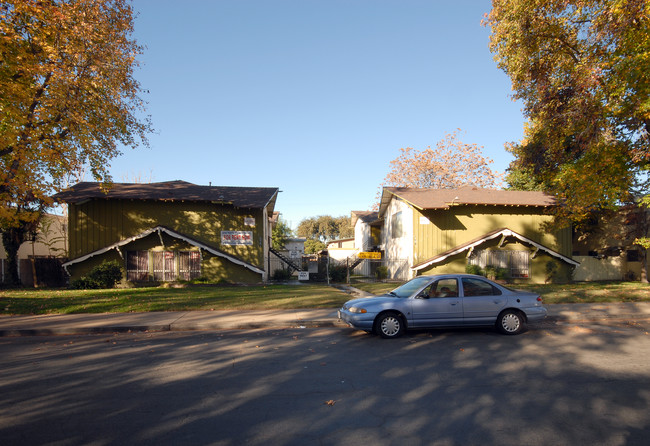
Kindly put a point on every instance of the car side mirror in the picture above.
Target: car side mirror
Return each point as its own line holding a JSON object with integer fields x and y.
{"x": 423, "y": 294}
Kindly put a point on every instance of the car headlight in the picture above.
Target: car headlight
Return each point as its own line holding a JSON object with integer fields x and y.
{"x": 357, "y": 310}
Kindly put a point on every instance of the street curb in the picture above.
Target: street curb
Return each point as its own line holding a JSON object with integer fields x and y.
{"x": 176, "y": 327}
{"x": 560, "y": 315}
{"x": 25, "y": 332}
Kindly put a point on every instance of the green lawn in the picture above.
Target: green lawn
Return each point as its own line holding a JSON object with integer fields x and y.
{"x": 34, "y": 301}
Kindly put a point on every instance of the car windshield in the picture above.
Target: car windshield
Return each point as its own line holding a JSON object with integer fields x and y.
{"x": 410, "y": 287}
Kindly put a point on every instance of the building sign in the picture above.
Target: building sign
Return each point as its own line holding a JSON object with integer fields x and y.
{"x": 249, "y": 221}
{"x": 370, "y": 255}
{"x": 295, "y": 254}
{"x": 236, "y": 237}
{"x": 303, "y": 275}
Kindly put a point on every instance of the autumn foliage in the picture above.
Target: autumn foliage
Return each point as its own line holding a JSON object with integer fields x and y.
{"x": 450, "y": 164}
{"x": 68, "y": 100}
{"x": 68, "y": 97}
{"x": 582, "y": 71}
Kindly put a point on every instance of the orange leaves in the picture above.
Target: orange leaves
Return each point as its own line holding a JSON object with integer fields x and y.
{"x": 450, "y": 164}
{"x": 67, "y": 94}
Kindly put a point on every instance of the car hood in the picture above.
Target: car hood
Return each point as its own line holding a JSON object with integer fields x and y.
{"x": 373, "y": 300}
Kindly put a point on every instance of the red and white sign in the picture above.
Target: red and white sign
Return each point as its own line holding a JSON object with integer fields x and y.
{"x": 236, "y": 237}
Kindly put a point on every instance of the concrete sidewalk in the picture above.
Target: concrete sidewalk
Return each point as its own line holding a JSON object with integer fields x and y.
{"x": 44, "y": 325}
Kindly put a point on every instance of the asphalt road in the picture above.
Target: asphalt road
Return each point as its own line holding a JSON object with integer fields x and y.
{"x": 570, "y": 385}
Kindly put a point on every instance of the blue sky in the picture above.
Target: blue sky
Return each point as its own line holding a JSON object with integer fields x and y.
{"x": 315, "y": 97}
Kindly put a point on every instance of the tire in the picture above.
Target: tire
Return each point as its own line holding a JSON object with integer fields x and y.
{"x": 389, "y": 325}
{"x": 511, "y": 322}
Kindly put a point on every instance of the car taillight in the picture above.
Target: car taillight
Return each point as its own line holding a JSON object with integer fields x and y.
{"x": 539, "y": 299}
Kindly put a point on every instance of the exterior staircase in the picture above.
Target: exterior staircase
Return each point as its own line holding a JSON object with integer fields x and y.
{"x": 354, "y": 261}
{"x": 290, "y": 263}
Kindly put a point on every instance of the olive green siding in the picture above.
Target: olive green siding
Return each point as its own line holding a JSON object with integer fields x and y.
{"x": 96, "y": 224}
{"x": 212, "y": 267}
{"x": 437, "y": 231}
{"x": 81, "y": 269}
{"x": 540, "y": 270}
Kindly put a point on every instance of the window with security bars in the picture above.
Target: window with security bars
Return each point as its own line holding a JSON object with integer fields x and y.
{"x": 517, "y": 263}
{"x": 137, "y": 266}
{"x": 162, "y": 266}
{"x": 189, "y": 265}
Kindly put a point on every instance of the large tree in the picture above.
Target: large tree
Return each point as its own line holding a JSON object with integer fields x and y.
{"x": 450, "y": 164}
{"x": 582, "y": 71}
{"x": 325, "y": 228}
{"x": 280, "y": 234}
{"x": 68, "y": 98}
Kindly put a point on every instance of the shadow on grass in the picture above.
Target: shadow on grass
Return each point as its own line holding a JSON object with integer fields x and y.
{"x": 170, "y": 299}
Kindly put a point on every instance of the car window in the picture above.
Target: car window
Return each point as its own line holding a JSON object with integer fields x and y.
{"x": 410, "y": 287}
{"x": 478, "y": 287}
{"x": 443, "y": 288}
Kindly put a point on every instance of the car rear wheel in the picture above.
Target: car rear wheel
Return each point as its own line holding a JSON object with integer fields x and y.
{"x": 389, "y": 325}
{"x": 511, "y": 322}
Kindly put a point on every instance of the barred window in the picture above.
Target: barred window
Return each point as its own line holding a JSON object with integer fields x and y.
{"x": 137, "y": 266}
{"x": 189, "y": 265}
{"x": 516, "y": 262}
{"x": 162, "y": 266}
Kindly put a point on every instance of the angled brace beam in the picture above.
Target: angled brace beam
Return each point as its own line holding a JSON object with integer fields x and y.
{"x": 469, "y": 252}
{"x": 119, "y": 251}
{"x": 535, "y": 252}
{"x": 502, "y": 241}
{"x": 161, "y": 239}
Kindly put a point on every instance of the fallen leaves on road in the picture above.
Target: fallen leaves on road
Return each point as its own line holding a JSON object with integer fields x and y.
{"x": 330, "y": 402}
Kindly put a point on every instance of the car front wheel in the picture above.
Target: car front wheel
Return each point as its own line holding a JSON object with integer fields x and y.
{"x": 511, "y": 322}
{"x": 389, "y": 325}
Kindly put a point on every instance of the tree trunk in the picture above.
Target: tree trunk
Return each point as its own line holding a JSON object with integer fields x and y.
{"x": 644, "y": 265}
{"x": 12, "y": 238}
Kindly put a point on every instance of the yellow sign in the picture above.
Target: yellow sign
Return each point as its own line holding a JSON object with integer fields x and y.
{"x": 370, "y": 255}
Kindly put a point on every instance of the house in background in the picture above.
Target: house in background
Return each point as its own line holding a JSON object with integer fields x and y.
{"x": 367, "y": 230}
{"x": 289, "y": 258}
{"x": 170, "y": 230}
{"x": 341, "y": 249}
{"x": 41, "y": 256}
{"x": 430, "y": 231}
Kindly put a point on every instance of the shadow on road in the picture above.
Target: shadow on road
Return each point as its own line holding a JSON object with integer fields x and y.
{"x": 551, "y": 385}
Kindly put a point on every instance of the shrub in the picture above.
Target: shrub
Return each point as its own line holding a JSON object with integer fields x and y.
{"x": 105, "y": 275}
{"x": 490, "y": 272}
{"x": 502, "y": 274}
{"x": 551, "y": 270}
{"x": 381, "y": 272}
{"x": 473, "y": 269}
{"x": 338, "y": 273}
{"x": 282, "y": 275}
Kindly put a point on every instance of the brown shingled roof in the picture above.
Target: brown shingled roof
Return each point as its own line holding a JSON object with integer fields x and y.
{"x": 364, "y": 216}
{"x": 468, "y": 195}
{"x": 242, "y": 197}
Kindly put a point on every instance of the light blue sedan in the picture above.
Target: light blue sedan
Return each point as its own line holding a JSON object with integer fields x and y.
{"x": 449, "y": 300}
